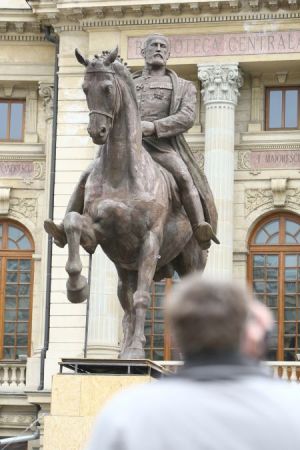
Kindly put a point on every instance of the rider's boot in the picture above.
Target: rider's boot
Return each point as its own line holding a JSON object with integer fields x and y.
{"x": 56, "y": 231}
{"x": 204, "y": 234}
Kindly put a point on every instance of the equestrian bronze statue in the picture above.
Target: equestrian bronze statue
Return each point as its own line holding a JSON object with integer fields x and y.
{"x": 143, "y": 198}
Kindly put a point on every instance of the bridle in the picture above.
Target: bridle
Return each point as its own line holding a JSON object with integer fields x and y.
{"x": 118, "y": 91}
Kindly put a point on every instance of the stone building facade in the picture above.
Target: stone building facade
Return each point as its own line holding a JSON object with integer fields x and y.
{"x": 243, "y": 56}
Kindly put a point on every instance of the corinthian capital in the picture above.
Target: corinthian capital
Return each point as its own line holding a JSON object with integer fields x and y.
{"x": 220, "y": 82}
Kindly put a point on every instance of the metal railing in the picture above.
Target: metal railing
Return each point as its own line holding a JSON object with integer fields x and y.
{"x": 12, "y": 376}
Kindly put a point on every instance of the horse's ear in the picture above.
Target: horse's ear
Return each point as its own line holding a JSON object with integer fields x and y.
{"x": 110, "y": 58}
{"x": 80, "y": 58}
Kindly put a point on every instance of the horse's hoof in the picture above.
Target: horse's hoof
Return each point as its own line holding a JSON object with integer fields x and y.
{"x": 56, "y": 231}
{"x": 79, "y": 294}
{"x": 132, "y": 353}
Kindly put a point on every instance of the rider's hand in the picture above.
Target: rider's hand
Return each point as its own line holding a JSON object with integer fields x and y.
{"x": 148, "y": 128}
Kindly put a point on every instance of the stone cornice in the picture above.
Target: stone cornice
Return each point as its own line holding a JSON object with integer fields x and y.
{"x": 220, "y": 82}
{"x": 80, "y": 15}
{"x": 21, "y": 157}
{"x": 21, "y": 37}
{"x": 275, "y": 146}
{"x": 18, "y": 21}
{"x": 216, "y": 6}
{"x": 109, "y": 19}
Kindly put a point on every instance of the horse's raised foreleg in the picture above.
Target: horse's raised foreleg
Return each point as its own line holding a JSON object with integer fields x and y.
{"x": 77, "y": 287}
{"x": 126, "y": 287}
{"x": 141, "y": 298}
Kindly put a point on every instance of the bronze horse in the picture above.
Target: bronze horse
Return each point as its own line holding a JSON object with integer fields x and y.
{"x": 131, "y": 205}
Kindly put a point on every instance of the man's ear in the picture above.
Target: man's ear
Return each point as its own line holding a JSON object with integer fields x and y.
{"x": 143, "y": 52}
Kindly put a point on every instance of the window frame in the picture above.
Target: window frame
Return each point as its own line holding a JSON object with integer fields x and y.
{"x": 281, "y": 250}
{"x": 168, "y": 349}
{"x": 10, "y": 101}
{"x": 5, "y": 255}
{"x": 267, "y": 107}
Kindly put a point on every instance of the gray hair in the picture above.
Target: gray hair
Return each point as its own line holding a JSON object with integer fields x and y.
{"x": 155, "y": 36}
{"x": 207, "y": 316}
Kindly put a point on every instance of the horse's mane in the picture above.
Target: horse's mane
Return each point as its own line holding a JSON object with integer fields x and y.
{"x": 124, "y": 73}
{"x": 121, "y": 69}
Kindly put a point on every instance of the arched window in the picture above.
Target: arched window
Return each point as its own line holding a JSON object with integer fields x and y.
{"x": 274, "y": 273}
{"x": 16, "y": 282}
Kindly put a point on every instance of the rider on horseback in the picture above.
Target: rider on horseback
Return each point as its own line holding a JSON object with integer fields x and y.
{"x": 167, "y": 108}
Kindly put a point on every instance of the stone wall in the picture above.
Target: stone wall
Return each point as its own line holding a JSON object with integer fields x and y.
{"x": 76, "y": 401}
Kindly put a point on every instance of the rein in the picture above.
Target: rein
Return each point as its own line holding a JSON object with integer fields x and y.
{"x": 102, "y": 113}
{"x": 118, "y": 91}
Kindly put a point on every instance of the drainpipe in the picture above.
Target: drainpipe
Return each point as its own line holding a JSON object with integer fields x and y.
{"x": 54, "y": 39}
{"x": 18, "y": 439}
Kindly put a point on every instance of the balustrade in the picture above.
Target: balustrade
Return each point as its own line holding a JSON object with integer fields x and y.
{"x": 12, "y": 376}
{"x": 284, "y": 370}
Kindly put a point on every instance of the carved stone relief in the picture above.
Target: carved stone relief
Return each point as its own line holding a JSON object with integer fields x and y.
{"x": 28, "y": 171}
{"x": 293, "y": 198}
{"x": 13, "y": 419}
{"x": 269, "y": 158}
{"x": 8, "y": 90}
{"x": 220, "y": 82}
{"x": 38, "y": 170}
{"x": 278, "y": 186}
{"x": 258, "y": 198}
{"x": 26, "y": 207}
{"x": 46, "y": 92}
{"x": 263, "y": 199}
{"x": 243, "y": 162}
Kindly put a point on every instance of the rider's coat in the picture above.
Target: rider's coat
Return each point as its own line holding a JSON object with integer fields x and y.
{"x": 170, "y": 103}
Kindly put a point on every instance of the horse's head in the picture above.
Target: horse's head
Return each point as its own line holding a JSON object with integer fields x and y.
{"x": 102, "y": 91}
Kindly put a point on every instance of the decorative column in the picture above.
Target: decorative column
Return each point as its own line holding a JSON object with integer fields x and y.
{"x": 105, "y": 311}
{"x": 220, "y": 90}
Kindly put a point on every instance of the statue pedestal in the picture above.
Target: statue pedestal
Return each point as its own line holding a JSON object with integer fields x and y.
{"x": 77, "y": 399}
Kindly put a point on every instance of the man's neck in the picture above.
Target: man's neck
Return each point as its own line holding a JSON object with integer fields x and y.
{"x": 215, "y": 358}
{"x": 155, "y": 71}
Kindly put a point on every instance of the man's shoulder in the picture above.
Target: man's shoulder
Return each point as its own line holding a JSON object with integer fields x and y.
{"x": 282, "y": 388}
{"x": 151, "y": 391}
{"x": 137, "y": 74}
{"x": 238, "y": 397}
{"x": 182, "y": 85}
{"x": 288, "y": 392}
{"x": 179, "y": 79}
